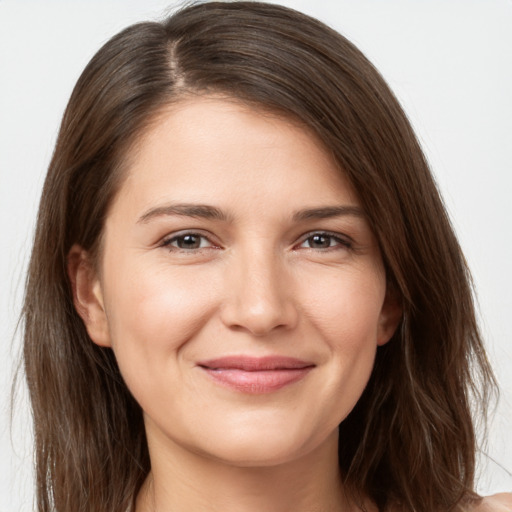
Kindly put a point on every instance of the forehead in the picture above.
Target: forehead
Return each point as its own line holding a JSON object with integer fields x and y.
{"x": 206, "y": 141}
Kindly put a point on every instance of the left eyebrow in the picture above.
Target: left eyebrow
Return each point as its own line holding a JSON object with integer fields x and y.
{"x": 327, "y": 212}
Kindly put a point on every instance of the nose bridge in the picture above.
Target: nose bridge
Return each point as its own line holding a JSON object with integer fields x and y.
{"x": 258, "y": 299}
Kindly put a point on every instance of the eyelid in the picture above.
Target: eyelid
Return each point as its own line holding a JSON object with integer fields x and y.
{"x": 344, "y": 241}
{"x": 172, "y": 237}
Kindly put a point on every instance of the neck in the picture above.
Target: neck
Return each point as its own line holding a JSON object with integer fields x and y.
{"x": 181, "y": 480}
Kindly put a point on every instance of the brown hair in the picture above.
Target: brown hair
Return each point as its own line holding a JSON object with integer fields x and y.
{"x": 410, "y": 439}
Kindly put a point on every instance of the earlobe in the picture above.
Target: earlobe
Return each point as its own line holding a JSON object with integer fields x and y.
{"x": 390, "y": 316}
{"x": 88, "y": 295}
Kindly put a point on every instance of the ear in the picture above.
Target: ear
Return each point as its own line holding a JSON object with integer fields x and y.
{"x": 88, "y": 295}
{"x": 390, "y": 315}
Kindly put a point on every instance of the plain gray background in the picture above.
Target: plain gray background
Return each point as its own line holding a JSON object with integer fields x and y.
{"x": 448, "y": 61}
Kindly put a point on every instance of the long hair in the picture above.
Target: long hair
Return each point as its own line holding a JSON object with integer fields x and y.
{"x": 410, "y": 439}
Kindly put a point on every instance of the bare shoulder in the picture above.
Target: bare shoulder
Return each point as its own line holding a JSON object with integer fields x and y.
{"x": 497, "y": 503}
{"x": 501, "y": 502}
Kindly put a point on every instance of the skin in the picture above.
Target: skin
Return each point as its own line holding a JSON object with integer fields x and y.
{"x": 501, "y": 502}
{"x": 249, "y": 280}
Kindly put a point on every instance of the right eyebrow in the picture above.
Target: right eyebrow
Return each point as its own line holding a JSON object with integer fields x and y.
{"x": 203, "y": 211}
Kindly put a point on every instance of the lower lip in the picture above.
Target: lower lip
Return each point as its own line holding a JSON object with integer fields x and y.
{"x": 257, "y": 382}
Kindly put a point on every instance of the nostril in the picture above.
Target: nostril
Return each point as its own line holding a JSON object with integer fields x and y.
{"x": 259, "y": 321}
{"x": 257, "y": 299}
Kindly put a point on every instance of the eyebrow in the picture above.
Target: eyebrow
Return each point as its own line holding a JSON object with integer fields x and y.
{"x": 327, "y": 212}
{"x": 205, "y": 211}
{"x": 202, "y": 211}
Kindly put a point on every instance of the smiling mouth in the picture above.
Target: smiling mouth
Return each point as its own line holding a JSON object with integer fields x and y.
{"x": 253, "y": 375}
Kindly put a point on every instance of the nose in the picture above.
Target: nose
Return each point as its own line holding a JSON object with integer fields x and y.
{"x": 258, "y": 297}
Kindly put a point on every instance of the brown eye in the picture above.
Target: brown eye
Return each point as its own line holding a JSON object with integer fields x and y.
{"x": 188, "y": 241}
{"x": 319, "y": 241}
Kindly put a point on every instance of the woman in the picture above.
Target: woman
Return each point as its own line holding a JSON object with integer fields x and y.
{"x": 245, "y": 293}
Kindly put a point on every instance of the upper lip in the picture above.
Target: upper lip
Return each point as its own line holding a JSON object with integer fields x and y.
{"x": 255, "y": 364}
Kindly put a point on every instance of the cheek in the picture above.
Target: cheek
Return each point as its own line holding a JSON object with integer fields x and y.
{"x": 346, "y": 308}
{"x": 345, "y": 311}
{"x": 156, "y": 310}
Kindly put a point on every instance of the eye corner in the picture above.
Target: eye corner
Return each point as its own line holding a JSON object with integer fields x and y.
{"x": 325, "y": 240}
{"x": 189, "y": 241}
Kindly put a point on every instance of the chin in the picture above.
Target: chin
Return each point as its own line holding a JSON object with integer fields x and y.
{"x": 257, "y": 453}
{"x": 265, "y": 445}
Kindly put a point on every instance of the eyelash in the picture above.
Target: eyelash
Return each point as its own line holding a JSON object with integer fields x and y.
{"x": 343, "y": 242}
{"x": 168, "y": 243}
{"x": 340, "y": 242}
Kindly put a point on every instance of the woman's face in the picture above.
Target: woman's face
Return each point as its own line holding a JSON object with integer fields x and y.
{"x": 241, "y": 288}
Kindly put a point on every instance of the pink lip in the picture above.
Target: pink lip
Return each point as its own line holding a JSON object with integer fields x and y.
{"x": 256, "y": 375}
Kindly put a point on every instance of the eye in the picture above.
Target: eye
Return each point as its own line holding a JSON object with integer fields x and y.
{"x": 188, "y": 242}
{"x": 321, "y": 241}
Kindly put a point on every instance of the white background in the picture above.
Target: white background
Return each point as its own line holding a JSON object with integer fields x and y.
{"x": 450, "y": 64}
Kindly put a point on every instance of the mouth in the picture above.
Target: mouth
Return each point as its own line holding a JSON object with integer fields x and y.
{"x": 256, "y": 375}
